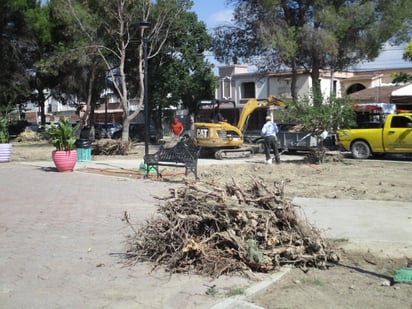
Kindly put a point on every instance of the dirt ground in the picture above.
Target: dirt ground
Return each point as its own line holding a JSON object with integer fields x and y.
{"x": 363, "y": 277}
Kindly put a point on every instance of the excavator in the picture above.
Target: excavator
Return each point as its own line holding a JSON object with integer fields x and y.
{"x": 226, "y": 140}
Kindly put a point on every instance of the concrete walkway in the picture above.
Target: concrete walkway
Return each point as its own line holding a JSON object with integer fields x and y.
{"x": 62, "y": 236}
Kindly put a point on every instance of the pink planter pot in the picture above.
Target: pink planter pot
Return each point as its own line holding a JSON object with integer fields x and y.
{"x": 5, "y": 152}
{"x": 64, "y": 160}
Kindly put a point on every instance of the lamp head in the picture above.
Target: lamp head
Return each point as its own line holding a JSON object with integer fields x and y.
{"x": 144, "y": 24}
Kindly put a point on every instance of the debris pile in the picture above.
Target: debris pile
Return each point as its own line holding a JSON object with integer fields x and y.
{"x": 212, "y": 230}
{"x": 29, "y": 136}
{"x": 110, "y": 147}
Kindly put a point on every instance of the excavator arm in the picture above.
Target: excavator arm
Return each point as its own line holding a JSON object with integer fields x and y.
{"x": 253, "y": 104}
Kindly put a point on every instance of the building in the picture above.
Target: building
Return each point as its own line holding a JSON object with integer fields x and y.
{"x": 238, "y": 84}
{"x": 108, "y": 109}
{"x": 54, "y": 110}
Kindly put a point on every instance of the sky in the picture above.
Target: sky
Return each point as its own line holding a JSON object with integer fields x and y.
{"x": 212, "y": 12}
{"x": 216, "y": 12}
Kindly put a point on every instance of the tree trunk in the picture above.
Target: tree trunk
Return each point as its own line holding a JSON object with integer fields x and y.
{"x": 316, "y": 90}
{"x": 125, "y": 130}
{"x": 294, "y": 81}
{"x": 41, "y": 100}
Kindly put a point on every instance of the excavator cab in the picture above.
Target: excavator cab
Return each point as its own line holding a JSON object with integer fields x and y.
{"x": 207, "y": 111}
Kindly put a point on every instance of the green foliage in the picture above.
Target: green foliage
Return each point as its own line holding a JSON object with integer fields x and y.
{"x": 333, "y": 114}
{"x": 212, "y": 291}
{"x": 315, "y": 282}
{"x": 16, "y": 51}
{"x": 235, "y": 292}
{"x": 59, "y": 45}
{"x": 38, "y": 19}
{"x": 254, "y": 254}
{"x": 407, "y": 55}
{"x": 402, "y": 77}
{"x": 62, "y": 136}
{"x": 179, "y": 73}
{"x": 4, "y": 131}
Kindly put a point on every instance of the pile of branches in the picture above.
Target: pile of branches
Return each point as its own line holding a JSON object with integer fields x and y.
{"x": 213, "y": 230}
{"x": 29, "y": 136}
{"x": 110, "y": 147}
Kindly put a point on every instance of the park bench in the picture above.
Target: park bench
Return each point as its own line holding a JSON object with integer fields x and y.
{"x": 184, "y": 154}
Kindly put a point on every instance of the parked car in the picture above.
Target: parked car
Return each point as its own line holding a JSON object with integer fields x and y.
{"x": 103, "y": 130}
{"x": 17, "y": 127}
{"x": 137, "y": 133}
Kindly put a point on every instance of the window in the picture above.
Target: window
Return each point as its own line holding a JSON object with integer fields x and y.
{"x": 226, "y": 88}
{"x": 248, "y": 90}
{"x": 400, "y": 122}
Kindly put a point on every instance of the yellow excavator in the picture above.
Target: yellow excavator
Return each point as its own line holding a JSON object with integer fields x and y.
{"x": 226, "y": 140}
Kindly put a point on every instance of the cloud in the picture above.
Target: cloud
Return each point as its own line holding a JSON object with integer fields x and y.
{"x": 220, "y": 17}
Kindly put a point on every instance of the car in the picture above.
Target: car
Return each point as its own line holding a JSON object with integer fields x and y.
{"x": 137, "y": 133}
{"x": 106, "y": 130}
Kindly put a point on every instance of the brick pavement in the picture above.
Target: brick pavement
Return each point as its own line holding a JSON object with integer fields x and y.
{"x": 58, "y": 233}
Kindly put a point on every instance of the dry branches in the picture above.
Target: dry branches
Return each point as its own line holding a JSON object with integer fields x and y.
{"x": 110, "y": 147}
{"x": 213, "y": 230}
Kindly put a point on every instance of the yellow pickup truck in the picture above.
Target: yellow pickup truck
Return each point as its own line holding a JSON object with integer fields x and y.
{"x": 393, "y": 136}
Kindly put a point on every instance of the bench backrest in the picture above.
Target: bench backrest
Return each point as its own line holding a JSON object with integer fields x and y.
{"x": 184, "y": 151}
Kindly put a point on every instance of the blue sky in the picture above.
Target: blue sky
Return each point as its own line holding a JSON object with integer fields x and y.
{"x": 212, "y": 12}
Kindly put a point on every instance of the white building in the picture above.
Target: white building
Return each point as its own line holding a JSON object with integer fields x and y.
{"x": 236, "y": 83}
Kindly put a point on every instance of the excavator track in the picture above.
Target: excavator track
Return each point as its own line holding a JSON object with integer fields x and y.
{"x": 234, "y": 153}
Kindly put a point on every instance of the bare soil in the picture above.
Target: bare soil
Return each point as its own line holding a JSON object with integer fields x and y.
{"x": 363, "y": 277}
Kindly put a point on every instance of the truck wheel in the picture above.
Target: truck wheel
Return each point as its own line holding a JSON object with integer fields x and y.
{"x": 260, "y": 146}
{"x": 360, "y": 150}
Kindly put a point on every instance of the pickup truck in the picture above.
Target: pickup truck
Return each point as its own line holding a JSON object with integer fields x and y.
{"x": 393, "y": 136}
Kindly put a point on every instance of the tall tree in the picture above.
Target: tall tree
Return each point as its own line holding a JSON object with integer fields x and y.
{"x": 17, "y": 49}
{"x": 77, "y": 67}
{"x": 311, "y": 35}
{"x": 44, "y": 78}
{"x": 179, "y": 71}
{"x": 120, "y": 32}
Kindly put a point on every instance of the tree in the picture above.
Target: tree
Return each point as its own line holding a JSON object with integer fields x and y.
{"x": 42, "y": 65}
{"x": 179, "y": 71}
{"x": 408, "y": 52}
{"x": 45, "y": 56}
{"x": 335, "y": 114}
{"x": 75, "y": 63}
{"x": 402, "y": 77}
{"x": 17, "y": 49}
{"x": 311, "y": 35}
{"x": 120, "y": 32}
{"x": 78, "y": 48}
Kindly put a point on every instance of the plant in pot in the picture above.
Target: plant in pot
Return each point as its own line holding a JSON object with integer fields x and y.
{"x": 5, "y": 146}
{"x": 62, "y": 136}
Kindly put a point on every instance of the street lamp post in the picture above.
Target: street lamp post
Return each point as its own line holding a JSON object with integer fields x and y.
{"x": 143, "y": 25}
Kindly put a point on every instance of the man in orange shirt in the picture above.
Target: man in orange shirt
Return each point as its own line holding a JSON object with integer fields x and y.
{"x": 177, "y": 127}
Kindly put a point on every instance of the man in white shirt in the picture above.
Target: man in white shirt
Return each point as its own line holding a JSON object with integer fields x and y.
{"x": 269, "y": 132}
